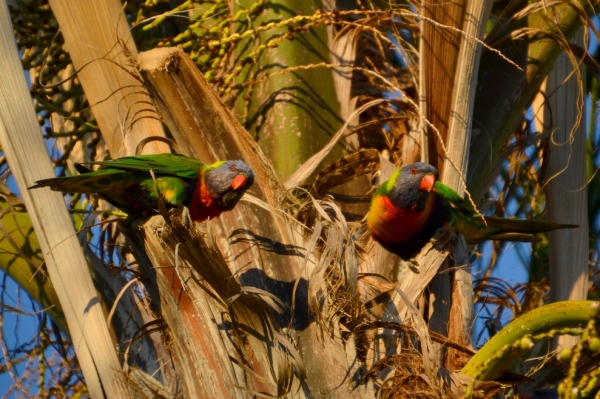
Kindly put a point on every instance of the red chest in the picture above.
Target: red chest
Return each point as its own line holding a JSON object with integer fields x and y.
{"x": 203, "y": 206}
{"x": 388, "y": 223}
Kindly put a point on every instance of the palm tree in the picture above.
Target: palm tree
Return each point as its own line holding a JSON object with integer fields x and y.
{"x": 285, "y": 295}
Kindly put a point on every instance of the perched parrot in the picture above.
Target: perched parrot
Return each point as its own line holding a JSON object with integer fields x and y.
{"x": 406, "y": 210}
{"x": 207, "y": 190}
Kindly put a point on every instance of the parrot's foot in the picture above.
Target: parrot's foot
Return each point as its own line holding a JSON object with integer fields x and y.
{"x": 159, "y": 229}
{"x": 186, "y": 218}
{"x": 442, "y": 237}
{"x": 413, "y": 265}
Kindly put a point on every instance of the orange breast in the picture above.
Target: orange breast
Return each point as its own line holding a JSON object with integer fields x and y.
{"x": 390, "y": 224}
{"x": 203, "y": 206}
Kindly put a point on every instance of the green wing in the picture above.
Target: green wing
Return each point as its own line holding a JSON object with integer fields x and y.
{"x": 452, "y": 197}
{"x": 166, "y": 164}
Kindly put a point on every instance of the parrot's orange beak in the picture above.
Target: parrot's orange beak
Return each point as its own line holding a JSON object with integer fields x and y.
{"x": 238, "y": 182}
{"x": 427, "y": 182}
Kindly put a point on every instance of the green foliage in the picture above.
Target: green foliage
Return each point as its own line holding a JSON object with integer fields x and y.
{"x": 579, "y": 318}
{"x": 22, "y": 258}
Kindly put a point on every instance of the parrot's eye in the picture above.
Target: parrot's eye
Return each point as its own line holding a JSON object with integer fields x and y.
{"x": 413, "y": 170}
{"x": 232, "y": 167}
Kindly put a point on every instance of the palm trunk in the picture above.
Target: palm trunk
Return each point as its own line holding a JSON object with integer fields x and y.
{"x": 293, "y": 115}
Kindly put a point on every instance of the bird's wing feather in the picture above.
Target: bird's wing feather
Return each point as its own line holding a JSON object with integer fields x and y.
{"x": 452, "y": 197}
{"x": 167, "y": 164}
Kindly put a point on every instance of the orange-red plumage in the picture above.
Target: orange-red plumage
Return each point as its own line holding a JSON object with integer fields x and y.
{"x": 391, "y": 224}
{"x": 404, "y": 212}
{"x": 203, "y": 206}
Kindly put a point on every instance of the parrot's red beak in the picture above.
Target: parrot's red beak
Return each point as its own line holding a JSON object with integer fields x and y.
{"x": 427, "y": 182}
{"x": 238, "y": 182}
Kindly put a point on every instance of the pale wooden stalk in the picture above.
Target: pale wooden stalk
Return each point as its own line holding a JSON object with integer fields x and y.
{"x": 463, "y": 97}
{"x": 265, "y": 253}
{"x": 98, "y": 40}
{"x": 438, "y": 55}
{"x": 440, "y": 306}
{"x": 438, "y": 61}
{"x": 413, "y": 149}
{"x": 566, "y": 196}
{"x": 418, "y": 132}
{"x": 454, "y": 170}
{"x": 28, "y": 160}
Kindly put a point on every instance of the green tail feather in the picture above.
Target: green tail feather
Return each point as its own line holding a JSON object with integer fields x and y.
{"x": 472, "y": 227}
{"x": 525, "y": 226}
{"x": 465, "y": 220}
{"x": 514, "y": 237}
{"x": 88, "y": 183}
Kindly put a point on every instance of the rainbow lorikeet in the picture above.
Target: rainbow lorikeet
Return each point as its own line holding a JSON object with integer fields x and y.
{"x": 207, "y": 190}
{"x": 406, "y": 210}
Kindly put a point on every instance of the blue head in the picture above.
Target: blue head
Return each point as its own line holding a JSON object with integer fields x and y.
{"x": 228, "y": 181}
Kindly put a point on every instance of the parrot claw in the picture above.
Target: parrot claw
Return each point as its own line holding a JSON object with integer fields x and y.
{"x": 161, "y": 228}
{"x": 442, "y": 237}
{"x": 186, "y": 218}
{"x": 413, "y": 265}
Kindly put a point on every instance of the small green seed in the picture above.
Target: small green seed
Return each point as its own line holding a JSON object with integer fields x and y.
{"x": 564, "y": 355}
